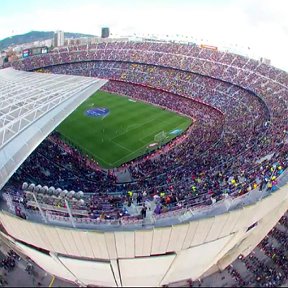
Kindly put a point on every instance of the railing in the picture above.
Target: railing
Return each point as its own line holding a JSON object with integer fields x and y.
{"x": 179, "y": 215}
{"x": 58, "y": 209}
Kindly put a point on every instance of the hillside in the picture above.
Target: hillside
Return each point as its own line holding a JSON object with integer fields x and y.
{"x": 35, "y": 36}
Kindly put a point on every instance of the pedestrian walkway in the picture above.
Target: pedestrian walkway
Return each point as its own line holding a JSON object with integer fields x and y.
{"x": 19, "y": 276}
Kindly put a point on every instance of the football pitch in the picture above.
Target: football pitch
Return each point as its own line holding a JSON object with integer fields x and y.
{"x": 115, "y": 129}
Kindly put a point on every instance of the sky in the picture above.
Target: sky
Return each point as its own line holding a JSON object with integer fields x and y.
{"x": 261, "y": 25}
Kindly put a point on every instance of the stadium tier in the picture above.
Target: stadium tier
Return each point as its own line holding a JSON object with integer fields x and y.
{"x": 186, "y": 209}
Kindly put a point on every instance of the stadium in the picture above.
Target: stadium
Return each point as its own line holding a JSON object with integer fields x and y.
{"x": 174, "y": 168}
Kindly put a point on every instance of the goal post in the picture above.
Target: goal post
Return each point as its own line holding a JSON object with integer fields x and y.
{"x": 160, "y": 137}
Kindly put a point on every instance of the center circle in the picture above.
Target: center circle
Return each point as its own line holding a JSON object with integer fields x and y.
{"x": 97, "y": 112}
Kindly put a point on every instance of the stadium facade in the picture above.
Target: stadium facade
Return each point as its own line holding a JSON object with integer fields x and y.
{"x": 186, "y": 244}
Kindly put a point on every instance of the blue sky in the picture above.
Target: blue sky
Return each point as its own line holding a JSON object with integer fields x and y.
{"x": 260, "y": 24}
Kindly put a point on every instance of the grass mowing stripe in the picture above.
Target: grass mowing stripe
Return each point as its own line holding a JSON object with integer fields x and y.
{"x": 86, "y": 150}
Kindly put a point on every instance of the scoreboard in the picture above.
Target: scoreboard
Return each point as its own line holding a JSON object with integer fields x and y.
{"x": 44, "y": 50}
{"x": 25, "y": 53}
{"x": 34, "y": 51}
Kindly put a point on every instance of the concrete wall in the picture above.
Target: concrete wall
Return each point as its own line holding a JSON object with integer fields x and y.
{"x": 148, "y": 257}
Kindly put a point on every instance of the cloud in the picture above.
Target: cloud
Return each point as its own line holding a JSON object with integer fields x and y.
{"x": 259, "y": 24}
{"x": 267, "y": 28}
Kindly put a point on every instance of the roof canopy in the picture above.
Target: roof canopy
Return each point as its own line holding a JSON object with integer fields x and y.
{"x": 31, "y": 106}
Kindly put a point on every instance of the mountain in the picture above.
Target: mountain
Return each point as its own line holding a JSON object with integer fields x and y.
{"x": 35, "y": 36}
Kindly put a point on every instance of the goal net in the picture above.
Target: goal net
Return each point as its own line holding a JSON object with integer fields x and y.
{"x": 160, "y": 137}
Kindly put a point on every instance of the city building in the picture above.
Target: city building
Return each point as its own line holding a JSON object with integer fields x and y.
{"x": 59, "y": 38}
{"x": 92, "y": 40}
{"x": 105, "y": 32}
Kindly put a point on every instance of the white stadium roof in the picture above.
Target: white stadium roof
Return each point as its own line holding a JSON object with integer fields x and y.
{"x": 31, "y": 106}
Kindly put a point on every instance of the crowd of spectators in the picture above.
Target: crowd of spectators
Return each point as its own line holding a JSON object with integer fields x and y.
{"x": 238, "y": 122}
{"x": 180, "y": 56}
{"x": 8, "y": 263}
{"x": 272, "y": 273}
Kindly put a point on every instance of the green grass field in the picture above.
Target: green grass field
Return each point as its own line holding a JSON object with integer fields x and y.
{"x": 122, "y": 135}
